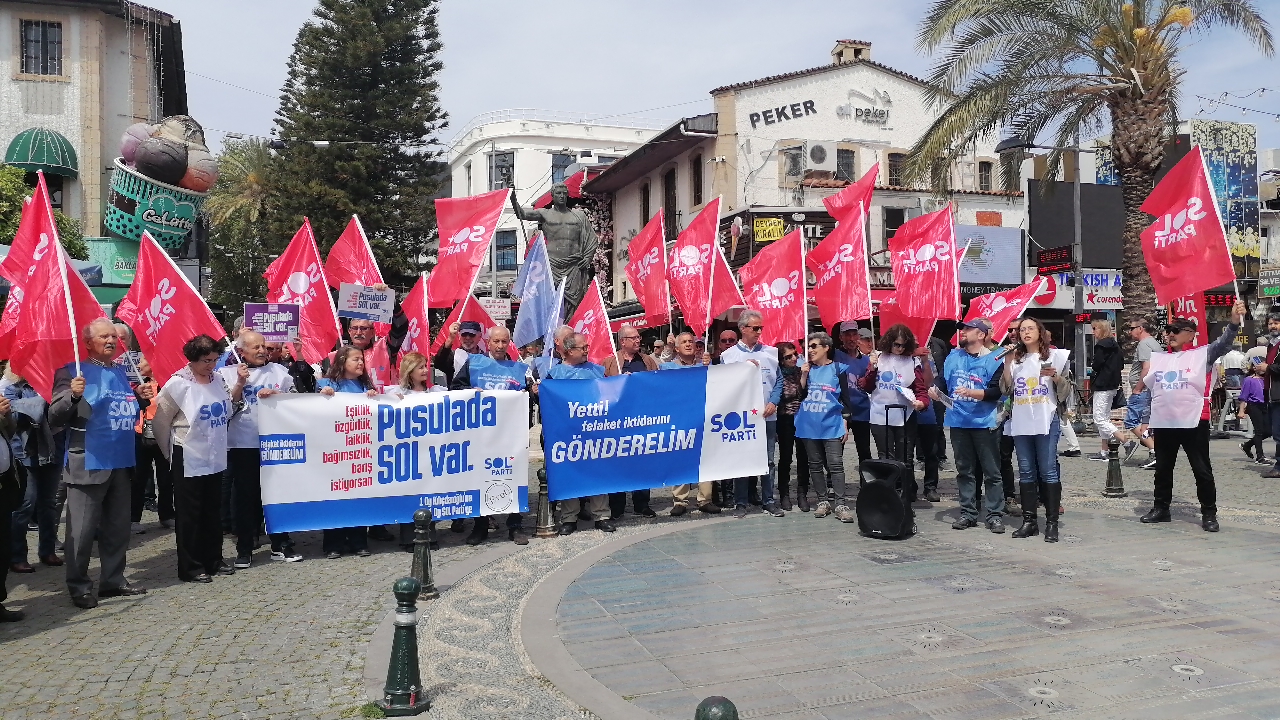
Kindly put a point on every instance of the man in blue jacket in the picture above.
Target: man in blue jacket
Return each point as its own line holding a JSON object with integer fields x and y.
{"x": 972, "y": 375}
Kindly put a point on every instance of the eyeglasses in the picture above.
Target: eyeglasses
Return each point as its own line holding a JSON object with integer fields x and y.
{"x": 757, "y": 328}
{"x": 1135, "y": 327}
{"x": 727, "y": 341}
{"x": 790, "y": 357}
{"x": 1175, "y": 331}
{"x": 815, "y": 346}
{"x": 900, "y": 345}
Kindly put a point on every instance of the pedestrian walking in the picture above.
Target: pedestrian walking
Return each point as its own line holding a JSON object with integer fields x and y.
{"x": 1253, "y": 403}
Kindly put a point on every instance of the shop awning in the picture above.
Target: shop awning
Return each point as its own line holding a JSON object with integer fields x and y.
{"x": 43, "y": 149}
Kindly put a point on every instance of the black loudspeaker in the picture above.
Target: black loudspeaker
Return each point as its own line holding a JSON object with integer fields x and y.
{"x": 882, "y": 511}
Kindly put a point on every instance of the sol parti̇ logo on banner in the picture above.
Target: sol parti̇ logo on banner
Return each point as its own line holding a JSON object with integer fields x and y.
{"x": 461, "y": 240}
{"x": 925, "y": 258}
{"x": 689, "y": 261}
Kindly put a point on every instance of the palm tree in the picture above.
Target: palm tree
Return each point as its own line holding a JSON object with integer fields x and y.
{"x": 237, "y": 206}
{"x": 242, "y": 182}
{"x": 1026, "y": 67}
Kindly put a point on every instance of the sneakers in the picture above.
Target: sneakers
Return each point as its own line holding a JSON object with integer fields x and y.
{"x": 1099, "y": 456}
{"x": 932, "y": 496}
{"x": 995, "y": 525}
{"x": 137, "y": 529}
{"x": 823, "y": 510}
{"x": 740, "y": 511}
{"x": 243, "y": 562}
{"x": 774, "y": 510}
{"x": 1151, "y": 465}
{"x": 1130, "y": 448}
{"x": 964, "y": 523}
{"x": 1261, "y": 461}
{"x": 1247, "y": 449}
{"x": 845, "y": 515}
{"x": 678, "y": 509}
{"x": 287, "y": 555}
{"x": 1070, "y": 453}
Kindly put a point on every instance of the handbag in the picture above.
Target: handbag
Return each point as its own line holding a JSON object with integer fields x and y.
{"x": 1119, "y": 402}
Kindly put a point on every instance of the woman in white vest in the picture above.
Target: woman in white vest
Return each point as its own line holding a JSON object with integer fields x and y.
{"x": 1034, "y": 378}
{"x": 192, "y": 413}
{"x": 895, "y": 377}
{"x": 1180, "y": 413}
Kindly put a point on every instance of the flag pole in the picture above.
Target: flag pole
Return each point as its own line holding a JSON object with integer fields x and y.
{"x": 71, "y": 311}
{"x": 612, "y": 345}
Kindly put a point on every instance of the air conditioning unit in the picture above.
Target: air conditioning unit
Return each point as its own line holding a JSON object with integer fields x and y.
{"x": 821, "y": 156}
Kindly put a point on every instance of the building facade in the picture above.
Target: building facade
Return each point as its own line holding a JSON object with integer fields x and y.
{"x": 73, "y": 75}
{"x": 529, "y": 151}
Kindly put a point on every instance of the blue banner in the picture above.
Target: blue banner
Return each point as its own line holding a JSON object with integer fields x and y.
{"x": 653, "y": 429}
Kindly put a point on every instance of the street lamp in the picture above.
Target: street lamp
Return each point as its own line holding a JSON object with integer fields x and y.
{"x": 1018, "y": 144}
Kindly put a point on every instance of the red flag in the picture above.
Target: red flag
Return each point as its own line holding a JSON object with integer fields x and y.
{"x": 164, "y": 310}
{"x": 842, "y": 290}
{"x": 775, "y": 284}
{"x": 925, "y": 266}
{"x": 647, "y": 272}
{"x": 465, "y": 226}
{"x": 592, "y": 319}
{"x": 414, "y": 307}
{"x": 1003, "y": 307}
{"x": 689, "y": 269}
{"x": 469, "y": 309}
{"x": 725, "y": 293}
{"x": 351, "y": 259}
{"x": 891, "y": 314}
{"x": 1185, "y": 248}
{"x": 19, "y": 264}
{"x": 56, "y": 306}
{"x": 297, "y": 276}
{"x": 1192, "y": 307}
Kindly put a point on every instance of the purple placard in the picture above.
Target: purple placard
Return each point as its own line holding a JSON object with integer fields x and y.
{"x": 278, "y": 322}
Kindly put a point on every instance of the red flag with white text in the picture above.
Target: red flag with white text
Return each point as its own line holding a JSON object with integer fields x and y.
{"x": 468, "y": 309}
{"x": 775, "y": 286}
{"x": 926, "y": 267}
{"x": 56, "y": 306}
{"x": 842, "y": 290}
{"x": 891, "y": 314}
{"x": 351, "y": 260}
{"x": 164, "y": 310}
{"x": 592, "y": 319}
{"x": 689, "y": 270}
{"x": 19, "y": 264}
{"x": 465, "y": 227}
{"x": 647, "y": 271}
{"x": 1192, "y": 307}
{"x": 1003, "y": 307}
{"x": 1185, "y": 248}
{"x": 297, "y": 276}
{"x": 417, "y": 337}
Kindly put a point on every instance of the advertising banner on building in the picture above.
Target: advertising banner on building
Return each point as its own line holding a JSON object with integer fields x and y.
{"x": 994, "y": 255}
{"x": 643, "y": 430}
{"x": 1231, "y": 156}
{"x": 117, "y": 258}
{"x": 349, "y": 459}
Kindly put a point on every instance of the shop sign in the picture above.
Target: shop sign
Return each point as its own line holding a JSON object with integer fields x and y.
{"x": 792, "y": 111}
{"x": 1102, "y": 291}
{"x": 1269, "y": 283}
{"x": 118, "y": 258}
{"x": 768, "y": 229}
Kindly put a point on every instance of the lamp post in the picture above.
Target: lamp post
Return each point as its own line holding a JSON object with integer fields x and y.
{"x": 1017, "y": 144}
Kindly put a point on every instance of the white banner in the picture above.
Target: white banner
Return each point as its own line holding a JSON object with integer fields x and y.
{"x": 349, "y": 460}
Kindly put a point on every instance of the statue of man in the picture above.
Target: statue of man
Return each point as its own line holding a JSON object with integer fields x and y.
{"x": 571, "y": 243}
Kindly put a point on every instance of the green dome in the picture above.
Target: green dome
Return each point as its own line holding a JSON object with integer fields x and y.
{"x": 43, "y": 149}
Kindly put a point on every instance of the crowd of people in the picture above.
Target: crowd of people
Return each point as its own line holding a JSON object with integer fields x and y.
{"x": 112, "y": 443}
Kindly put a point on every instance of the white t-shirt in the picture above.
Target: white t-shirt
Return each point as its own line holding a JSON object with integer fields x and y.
{"x": 766, "y": 356}
{"x": 242, "y": 432}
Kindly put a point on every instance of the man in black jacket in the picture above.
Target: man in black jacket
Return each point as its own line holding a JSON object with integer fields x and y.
{"x": 1273, "y": 383}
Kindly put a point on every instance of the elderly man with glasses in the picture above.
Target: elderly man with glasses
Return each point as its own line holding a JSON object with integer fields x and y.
{"x": 575, "y": 350}
{"x": 1180, "y": 413}
{"x": 750, "y": 349}
{"x": 630, "y": 359}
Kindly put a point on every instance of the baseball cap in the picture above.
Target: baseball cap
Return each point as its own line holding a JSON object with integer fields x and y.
{"x": 977, "y": 324}
{"x": 848, "y": 326}
{"x": 866, "y": 334}
{"x": 470, "y": 327}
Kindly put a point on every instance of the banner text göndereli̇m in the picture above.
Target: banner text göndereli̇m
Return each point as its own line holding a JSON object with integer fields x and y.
{"x": 349, "y": 460}
{"x": 653, "y": 429}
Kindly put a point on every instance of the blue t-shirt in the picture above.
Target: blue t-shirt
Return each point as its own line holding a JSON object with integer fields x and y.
{"x": 489, "y": 374}
{"x": 343, "y": 386}
{"x": 585, "y": 371}
{"x": 963, "y": 370}
{"x": 820, "y": 416}
{"x": 855, "y": 398}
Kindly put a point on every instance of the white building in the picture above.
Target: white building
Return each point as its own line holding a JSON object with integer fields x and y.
{"x": 774, "y": 147}
{"x": 73, "y": 75}
{"x": 529, "y": 151}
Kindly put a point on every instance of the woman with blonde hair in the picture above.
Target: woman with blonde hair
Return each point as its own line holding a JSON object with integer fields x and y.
{"x": 415, "y": 375}
{"x": 1108, "y": 360}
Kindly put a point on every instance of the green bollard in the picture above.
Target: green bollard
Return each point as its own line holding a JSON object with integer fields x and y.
{"x": 716, "y": 708}
{"x": 1115, "y": 480}
{"x": 421, "y": 568}
{"x": 403, "y": 694}
{"x": 546, "y": 523}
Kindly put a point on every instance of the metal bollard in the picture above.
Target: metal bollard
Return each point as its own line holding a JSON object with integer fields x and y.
{"x": 716, "y": 708}
{"x": 1115, "y": 480}
{"x": 421, "y": 568}
{"x": 403, "y": 694}
{"x": 546, "y": 524}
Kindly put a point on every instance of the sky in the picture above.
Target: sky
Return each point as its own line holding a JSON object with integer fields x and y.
{"x": 656, "y": 59}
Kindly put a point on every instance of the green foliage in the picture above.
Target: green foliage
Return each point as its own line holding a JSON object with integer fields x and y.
{"x": 238, "y": 254}
{"x": 362, "y": 77}
{"x": 13, "y": 192}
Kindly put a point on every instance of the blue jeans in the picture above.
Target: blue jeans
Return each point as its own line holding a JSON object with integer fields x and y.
{"x": 741, "y": 485}
{"x": 1038, "y": 456}
{"x": 1138, "y": 410}
{"x": 42, "y": 487}
{"x": 974, "y": 449}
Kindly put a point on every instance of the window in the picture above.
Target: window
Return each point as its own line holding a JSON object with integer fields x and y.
{"x": 984, "y": 176}
{"x": 606, "y": 159}
{"x": 846, "y": 165}
{"x": 896, "y": 161}
{"x": 558, "y": 164}
{"x": 467, "y": 190}
{"x": 41, "y": 47}
{"x": 894, "y": 218}
{"x": 502, "y": 168}
{"x": 790, "y": 166}
{"x": 669, "y": 202}
{"x": 644, "y": 204}
{"x": 505, "y": 244}
{"x": 695, "y": 178}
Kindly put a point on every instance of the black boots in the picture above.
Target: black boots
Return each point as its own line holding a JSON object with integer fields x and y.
{"x": 1052, "y": 502}
{"x": 802, "y": 498}
{"x": 479, "y": 531}
{"x": 1157, "y": 514}
{"x": 1030, "y": 504}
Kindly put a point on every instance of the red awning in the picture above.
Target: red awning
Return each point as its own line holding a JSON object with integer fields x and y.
{"x": 638, "y": 322}
{"x": 573, "y": 182}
